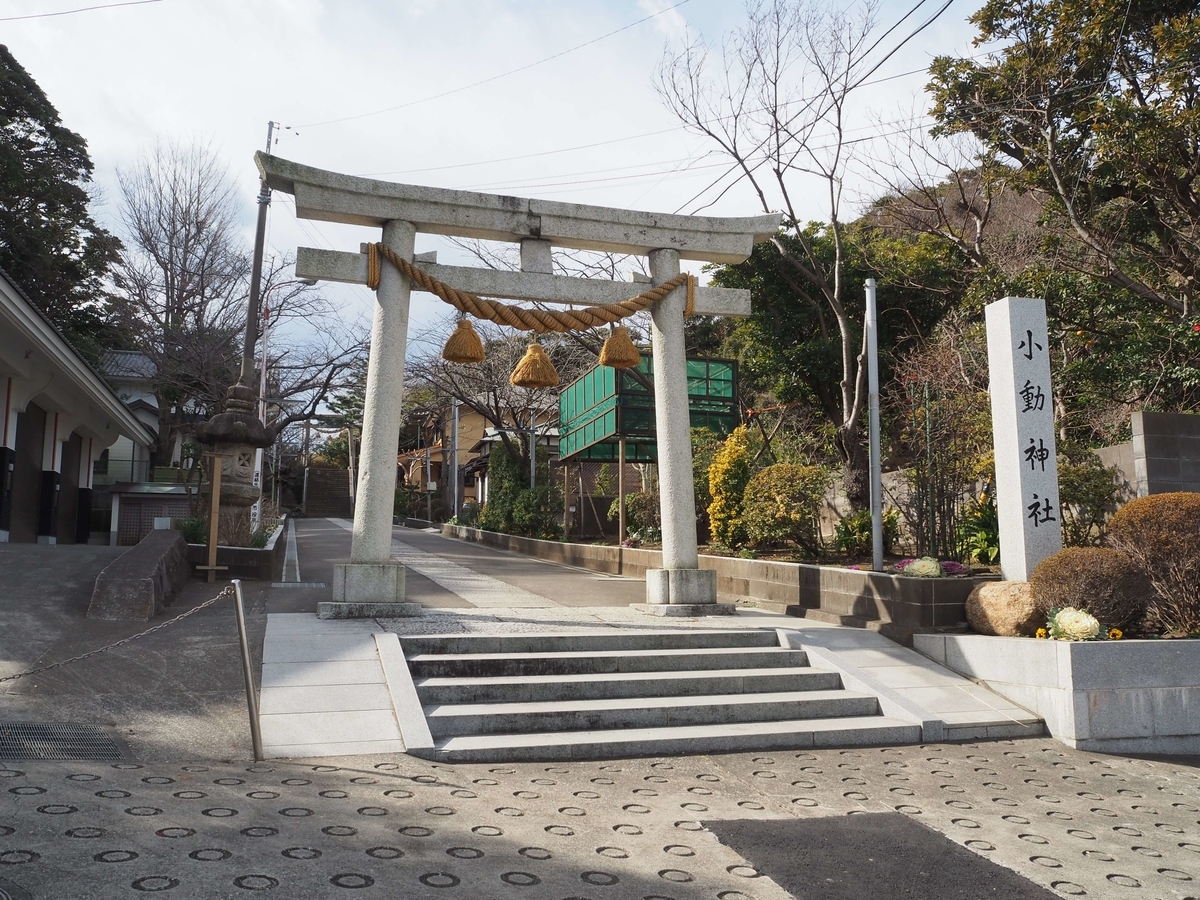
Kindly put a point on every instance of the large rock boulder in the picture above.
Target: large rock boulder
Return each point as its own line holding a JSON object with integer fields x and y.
{"x": 1005, "y": 608}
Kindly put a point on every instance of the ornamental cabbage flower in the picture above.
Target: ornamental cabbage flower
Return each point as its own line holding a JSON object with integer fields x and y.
{"x": 1071, "y": 624}
{"x": 925, "y": 567}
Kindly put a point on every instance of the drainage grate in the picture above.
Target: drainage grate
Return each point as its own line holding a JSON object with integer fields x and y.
{"x": 51, "y": 741}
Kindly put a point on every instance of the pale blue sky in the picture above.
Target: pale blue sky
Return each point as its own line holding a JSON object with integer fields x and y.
{"x": 217, "y": 70}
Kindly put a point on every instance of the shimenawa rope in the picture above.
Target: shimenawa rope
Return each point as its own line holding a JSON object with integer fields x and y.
{"x": 520, "y": 317}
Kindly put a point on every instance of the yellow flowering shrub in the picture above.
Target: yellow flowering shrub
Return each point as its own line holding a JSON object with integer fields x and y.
{"x": 727, "y": 479}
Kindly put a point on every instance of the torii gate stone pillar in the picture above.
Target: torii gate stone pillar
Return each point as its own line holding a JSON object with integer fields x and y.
{"x": 372, "y": 583}
{"x": 371, "y": 576}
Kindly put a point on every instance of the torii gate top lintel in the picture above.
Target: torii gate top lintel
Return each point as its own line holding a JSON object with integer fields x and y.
{"x": 349, "y": 199}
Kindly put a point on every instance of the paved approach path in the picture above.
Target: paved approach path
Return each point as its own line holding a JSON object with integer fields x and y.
{"x": 438, "y": 567}
{"x": 1077, "y": 824}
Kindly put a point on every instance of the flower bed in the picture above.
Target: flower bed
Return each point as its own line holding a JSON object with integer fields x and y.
{"x": 244, "y": 562}
{"x": 1113, "y": 696}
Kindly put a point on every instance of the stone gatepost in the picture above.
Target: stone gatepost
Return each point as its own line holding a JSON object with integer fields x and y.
{"x": 372, "y": 575}
{"x": 1023, "y": 435}
{"x": 680, "y": 587}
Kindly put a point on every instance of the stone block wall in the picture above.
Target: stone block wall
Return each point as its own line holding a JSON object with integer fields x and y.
{"x": 859, "y": 596}
{"x": 1166, "y": 452}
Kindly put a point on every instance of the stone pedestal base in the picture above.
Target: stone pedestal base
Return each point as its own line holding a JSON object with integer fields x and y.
{"x": 686, "y": 609}
{"x": 367, "y": 590}
{"x": 681, "y": 587}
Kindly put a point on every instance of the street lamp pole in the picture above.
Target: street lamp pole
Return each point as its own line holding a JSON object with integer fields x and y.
{"x": 262, "y": 382}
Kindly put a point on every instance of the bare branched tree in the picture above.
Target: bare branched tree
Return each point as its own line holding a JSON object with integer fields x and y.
{"x": 775, "y": 105}
{"x": 484, "y": 387}
{"x": 182, "y": 278}
{"x": 181, "y": 287}
{"x": 950, "y": 188}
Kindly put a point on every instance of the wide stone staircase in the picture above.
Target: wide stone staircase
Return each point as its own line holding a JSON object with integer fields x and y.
{"x": 327, "y": 493}
{"x": 620, "y": 693}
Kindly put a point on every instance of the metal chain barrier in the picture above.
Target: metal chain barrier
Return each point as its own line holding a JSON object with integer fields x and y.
{"x": 226, "y": 592}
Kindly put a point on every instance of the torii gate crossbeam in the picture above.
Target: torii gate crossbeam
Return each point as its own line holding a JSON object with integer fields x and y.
{"x": 372, "y": 577}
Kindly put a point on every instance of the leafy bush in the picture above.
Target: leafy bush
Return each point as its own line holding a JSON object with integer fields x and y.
{"x": 515, "y": 508}
{"x": 195, "y": 531}
{"x": 535, "y": 513}
{"x": 1087, "y": 492}
{"x": 642, "y": 511}
{"x": 1102, "y": 581}
{"x": 1162, "y": 535}
{"x": 728, "y": 477}
{"x": 705, "y": 442}
{"x": 469, "y": 515}
{"x": 781, "y": 504}
{"x": 854, "y": 532}
{"x": 606, "y": 480}
{"x": 259, "y": 537}
{"x": 979, "y": 532}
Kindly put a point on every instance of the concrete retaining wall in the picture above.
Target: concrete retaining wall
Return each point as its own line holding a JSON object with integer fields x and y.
{"x": 245, "y": 562}
{"x": 1107, "y": 696}
{"x": 849, "y": 595}
{"x": 143, "y": 580}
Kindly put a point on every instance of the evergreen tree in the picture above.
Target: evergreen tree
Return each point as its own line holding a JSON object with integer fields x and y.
{"x": 49, "y": 243}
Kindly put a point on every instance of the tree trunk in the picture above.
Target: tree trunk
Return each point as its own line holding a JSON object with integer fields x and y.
{"x": 855, "y": 467}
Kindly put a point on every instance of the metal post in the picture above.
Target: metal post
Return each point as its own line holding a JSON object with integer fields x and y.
{"x": 532, "y": 448}
{"x": 247, "y": 672}
{"x": 428, "y": 493}
{"x": 873, "y": 401}
{"x": 454, "y": 458}
{"x": 621, "y": 523}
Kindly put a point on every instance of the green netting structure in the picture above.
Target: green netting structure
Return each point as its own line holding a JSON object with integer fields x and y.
{"x": 603, "y": 405}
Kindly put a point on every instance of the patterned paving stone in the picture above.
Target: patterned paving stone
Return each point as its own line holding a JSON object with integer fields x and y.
{"x": 1079, "y": 824}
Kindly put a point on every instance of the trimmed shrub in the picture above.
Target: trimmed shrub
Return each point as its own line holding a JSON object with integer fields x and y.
{"x": 854, "y": 532}
{"x": 1162, "y": 535}
{"x": 727, "y": 479}
{"x": 1087, "y": 490}
{"x": 781, "y": 504}
{"x": 1102, "y": 581}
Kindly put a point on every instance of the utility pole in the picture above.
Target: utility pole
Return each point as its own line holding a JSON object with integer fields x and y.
{"x": 260, "y": 239}
{"x": 428, "y": 493}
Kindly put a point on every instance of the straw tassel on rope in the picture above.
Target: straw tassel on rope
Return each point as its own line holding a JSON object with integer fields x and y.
{"x": 618, "y": 351}
{"x": 464, "y": 345}
{"x": 535, "y": 370}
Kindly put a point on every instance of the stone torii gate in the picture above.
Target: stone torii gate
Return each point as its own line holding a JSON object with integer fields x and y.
{"x": 401, "y": 210}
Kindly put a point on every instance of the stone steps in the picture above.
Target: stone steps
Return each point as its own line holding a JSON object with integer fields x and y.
{"x": 577, "y": 662}
{"x": 608, "y": 685}
{"x": 644, "y": 712}
{"x": 621, "y": 693}
{"x": 729, "y": 737}
{"x": 614, "y": 639}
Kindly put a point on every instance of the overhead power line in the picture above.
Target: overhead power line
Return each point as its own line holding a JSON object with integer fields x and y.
{"x": 71, "y": 12}
{"x": 474, "y": 84}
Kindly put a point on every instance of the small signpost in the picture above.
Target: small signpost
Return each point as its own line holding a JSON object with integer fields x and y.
{"x": 214, "y": 516}
{"x": 1023, "y": 434}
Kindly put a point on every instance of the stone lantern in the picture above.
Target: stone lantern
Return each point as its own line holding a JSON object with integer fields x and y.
{"x": 235, "y": 436}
